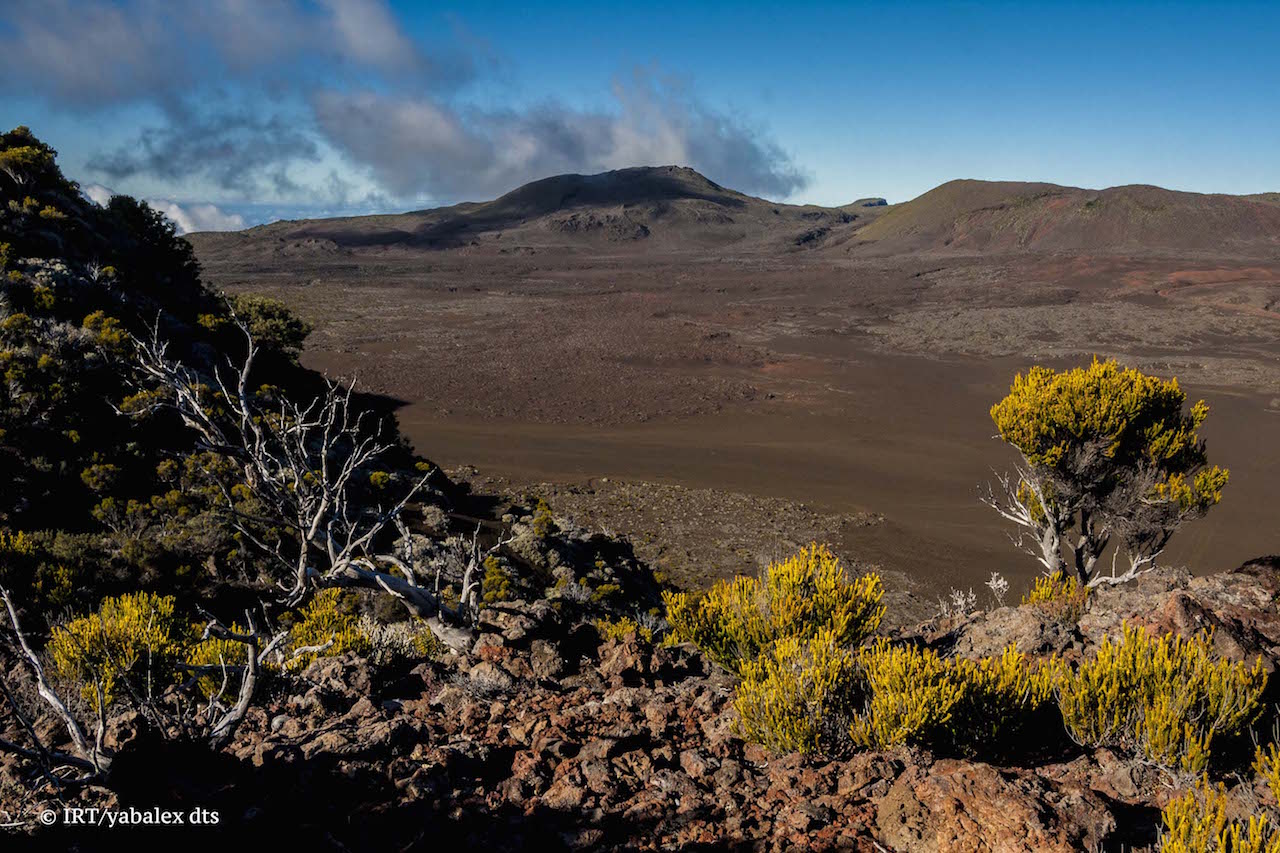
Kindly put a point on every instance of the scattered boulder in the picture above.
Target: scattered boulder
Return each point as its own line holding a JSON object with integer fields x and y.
{"x": 970, "y": 806}
{"x": 1034, "y": 630}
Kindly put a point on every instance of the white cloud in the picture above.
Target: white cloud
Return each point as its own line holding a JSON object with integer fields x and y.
{"x": 95, "y": 52}
{"x": 98, "y": 194}
{"x": 186, "y": 216}
{"x": 265, "y": 101}
{"x": 198, "y": 217}
{"x": 422, "y": 146}
{"x": 367, "y": 32}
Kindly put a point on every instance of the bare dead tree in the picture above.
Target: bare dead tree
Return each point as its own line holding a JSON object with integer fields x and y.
{"x": 90, "y": 757}
{"x": 1053, "y": 509}
{"x": 1040, "y": 531}
{"x": 298, "y": 463}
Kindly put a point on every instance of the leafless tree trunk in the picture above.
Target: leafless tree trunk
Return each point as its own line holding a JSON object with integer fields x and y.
{"x": 1090, "y": 543}
{"x": 299, "y": 463}
{"x": 87, "y": 756}
{"x": 225, "y": 726}
{"x": 1040, "y": 524}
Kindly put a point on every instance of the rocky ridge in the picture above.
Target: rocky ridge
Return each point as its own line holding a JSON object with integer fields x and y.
{"x": 542, "y": 735}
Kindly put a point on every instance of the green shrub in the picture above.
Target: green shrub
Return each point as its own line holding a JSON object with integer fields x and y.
{"x": 1266, "y": 763}
{"x": 271, "y": 323}
{"x": 1162, "y": 698}
{"x": 621, "y": 628}
{"x": 219, "y": 653}
{"x": 327, "y": 628}
{"x": 1061, "y": 596}
{"x": 428, "y": 645}
{"x": 787, "y": 696}
{"x": 1197, "y": 822}
{"x": 913, "y": 695}
{"x": 131, "y": 642}
{"x": 606, "y": 592}
{"x": 918, "y": 697}
{"x": 1002, "y": 696}
{"x": 543, "y": 522}
{"x": 737, "y": 620}
{"x": 497, "y": 584}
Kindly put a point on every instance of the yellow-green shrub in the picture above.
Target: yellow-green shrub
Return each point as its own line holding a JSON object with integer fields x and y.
{"x": 1266, "y": 763}
{"x": 325, "y": 622}
{"x": 918, "y": 697}
{"x": 17, "y": 549}
{"x": 786, "y": 695}
{"x": 217, "y": 652}
{"x": 497, "y": 584}
{"x": 19, "y": 543}
{"x": 132, "y": 639}
{"x": 736, "y": 620}
{"x": 606, "y": 592}
{"x": 544, "y": 522}
{"x": 621, "y": 628}
{"x": 913, "y": 694}
{"x": 1166, "y": 738}
{"x": 1060, "y": 595}
{"x": 1001, "y": 695}
{"x": 1164, "y": 698}
{"x": 428, "y": 645}
{"x": 1197, "y": 822}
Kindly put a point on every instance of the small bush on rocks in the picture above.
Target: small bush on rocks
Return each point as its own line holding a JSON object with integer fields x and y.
{"x": 131, "y": 642}
{"x": 1059, "y": 595}
{"x": 623, "y": 627}
{"x": 1198, "y": 822}
{"x": 913, "y": 695}
{"x": 221, "y": 653}
{"x": 325, "y": 628}
{"x": 1002, "y": 695}
{"x": 497, "y": 583}
{"x": 1162, "y": 698}
{"x": 544, "y": 523}
{"x": 963, "y": 705}
{"x": 787, "y": 696}
{"x": 737, "y": 620}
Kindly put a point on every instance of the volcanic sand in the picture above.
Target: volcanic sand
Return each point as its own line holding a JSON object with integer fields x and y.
{"x": 850, "y": 385}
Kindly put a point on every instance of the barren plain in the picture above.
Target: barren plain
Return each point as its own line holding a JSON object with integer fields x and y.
{"x": 720, "y": 377}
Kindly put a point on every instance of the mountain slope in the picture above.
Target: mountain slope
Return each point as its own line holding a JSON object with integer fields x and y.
{"x": 989, "y": 216}
{"x": 673, "y": 207}
{"x": 665, "y": 204}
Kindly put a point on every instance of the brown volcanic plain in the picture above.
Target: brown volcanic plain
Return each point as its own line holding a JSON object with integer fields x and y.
{"x": 784, "y": 372}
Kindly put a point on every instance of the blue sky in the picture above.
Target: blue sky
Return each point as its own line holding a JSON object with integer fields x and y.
{"x": 255, "y": 109}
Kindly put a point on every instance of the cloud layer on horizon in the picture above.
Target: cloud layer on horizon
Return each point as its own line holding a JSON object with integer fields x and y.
{"x": 426, "y": 147}
{"x": 250, "y": 107}
{"x": 186, "y": 218}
